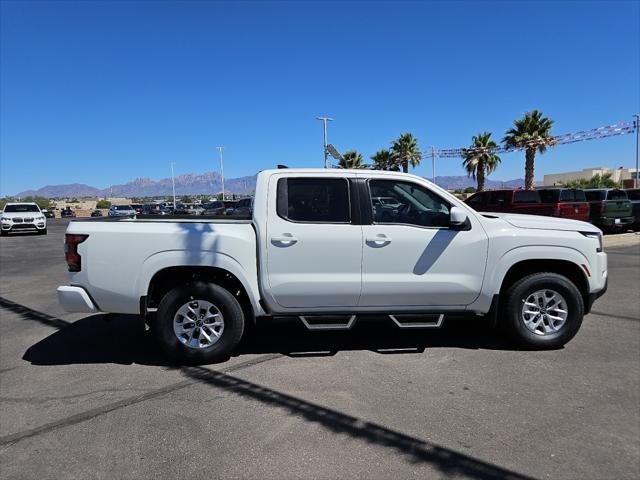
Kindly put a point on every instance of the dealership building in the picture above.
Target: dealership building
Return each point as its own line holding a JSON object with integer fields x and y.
{"x": 623, "y": 175}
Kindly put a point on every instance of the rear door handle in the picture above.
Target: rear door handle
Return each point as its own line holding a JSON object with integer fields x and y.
{"x": 286, "y": 238}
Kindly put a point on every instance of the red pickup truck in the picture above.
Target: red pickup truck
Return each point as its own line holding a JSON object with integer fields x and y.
{"x": 510, "y": 201}
{"x": 566, "y": 202}
{"x": 551, "y": 202}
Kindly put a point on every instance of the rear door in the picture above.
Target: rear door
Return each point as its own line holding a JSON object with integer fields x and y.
{"x": 314, "y": 246}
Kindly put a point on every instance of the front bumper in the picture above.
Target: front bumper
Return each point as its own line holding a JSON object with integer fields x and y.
{"x": 76, "y": 299}
{"x": 593, "y": 296}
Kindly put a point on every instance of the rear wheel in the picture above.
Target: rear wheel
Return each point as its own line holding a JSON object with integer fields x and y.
{"x": 542, "y": 311}
{"x": 199, "y": 323}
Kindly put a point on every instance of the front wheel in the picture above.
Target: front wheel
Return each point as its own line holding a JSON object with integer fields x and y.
{"x": 42, "y": 232}
{"x": 199, "y": 322}
{"x": 542, "y": 311}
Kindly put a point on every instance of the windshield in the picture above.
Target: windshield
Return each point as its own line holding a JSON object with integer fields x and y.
{"x": 123, "y": 207}
{"x": 21, "y": 208}
{"x": 616, "y": 195}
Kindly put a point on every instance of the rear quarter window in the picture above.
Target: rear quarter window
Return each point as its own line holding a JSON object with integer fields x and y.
{"x": 633, "y": 194}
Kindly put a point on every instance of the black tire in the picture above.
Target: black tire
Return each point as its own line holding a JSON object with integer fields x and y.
{"x": 42, "y": 232}
{"x": 224, "y": 301}
{"x": 3, "y": 233}
{"x": 511, "y": 315}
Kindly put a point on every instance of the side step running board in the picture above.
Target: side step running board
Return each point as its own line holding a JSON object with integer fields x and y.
{"x": 321, "y": 322}
{"x": 418, "y": 321}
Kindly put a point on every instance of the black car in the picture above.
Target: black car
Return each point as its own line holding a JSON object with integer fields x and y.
{"x": 96, "y": 213}
{"x": 48, "y": 213}
{"x": 214, "y": 208}
{"x": 67, "y": 213}
{"x": 634, "y": 197}
{"x": 244, "y": 207}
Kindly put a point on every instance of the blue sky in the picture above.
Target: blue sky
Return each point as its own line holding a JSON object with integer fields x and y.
{"x": 103, "y": 92}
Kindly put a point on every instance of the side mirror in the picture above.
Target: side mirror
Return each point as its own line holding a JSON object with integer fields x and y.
{"x": 458, "y": 219}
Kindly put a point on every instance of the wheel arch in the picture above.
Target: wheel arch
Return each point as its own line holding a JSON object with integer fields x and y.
{"x": 166, "y": 279}
{"x": 566, "y": 268}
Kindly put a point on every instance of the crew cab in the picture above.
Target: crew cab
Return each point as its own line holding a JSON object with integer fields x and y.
{"x": 566, "y": 202}
{"x": 510, "y": 201}
{"x": 19, "y": 216}
{"x": 314, "y": 250}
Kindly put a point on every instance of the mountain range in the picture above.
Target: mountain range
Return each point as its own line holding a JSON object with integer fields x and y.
{"x": 210, "y": 183}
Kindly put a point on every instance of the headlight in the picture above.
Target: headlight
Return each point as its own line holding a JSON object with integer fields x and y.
{"x": 5, "y": 219}
{"x": 595, "y": 236}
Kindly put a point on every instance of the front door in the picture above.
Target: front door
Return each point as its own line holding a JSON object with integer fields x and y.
{"x": 410, "y": 255}
{"x": 314, "y": 252}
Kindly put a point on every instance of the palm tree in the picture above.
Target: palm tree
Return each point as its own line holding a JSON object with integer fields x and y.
{"x": 479, "y": 159}
{"x": 351, "y": 159}
{"x": 533, "y": 133}
{"x": 383, "y": 160}
{"x": 405, "y": 151}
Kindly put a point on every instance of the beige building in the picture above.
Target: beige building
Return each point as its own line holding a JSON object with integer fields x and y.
{"x": 617, "y": 174}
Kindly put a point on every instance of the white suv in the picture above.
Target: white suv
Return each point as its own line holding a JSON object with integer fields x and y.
{"x": 22, "y": 216}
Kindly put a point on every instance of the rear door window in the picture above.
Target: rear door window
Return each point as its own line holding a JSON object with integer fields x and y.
{"x": 549, "y": 196}
{"x": 594, "y": 195}
{"x": 497, "y": 199}
{"x": 314, "y": 200}
{"x": 526, "y": 196}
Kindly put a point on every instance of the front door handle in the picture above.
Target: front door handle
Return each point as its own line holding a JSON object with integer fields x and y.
{"x": 379, "y": 239}
{"x": 285, "y": 238}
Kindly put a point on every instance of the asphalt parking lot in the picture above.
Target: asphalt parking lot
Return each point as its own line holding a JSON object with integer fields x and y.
{"x": 89, "y": 396}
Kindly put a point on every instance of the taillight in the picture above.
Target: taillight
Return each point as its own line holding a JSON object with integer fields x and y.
{"x": 71, "y": 242}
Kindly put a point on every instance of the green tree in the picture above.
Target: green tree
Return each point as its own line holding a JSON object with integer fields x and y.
{"x": 103, "y": 204}
{"x": 479, "y": 159}
{"x": 533, "y": 134}
{"x": 351, "y": 159}
{"x": 405, "y": 151}
{"x": 383, "y": 160}
{"x": 597, "y": 181}
{"x": 43, "y": 203}
{"x": 186, "y": 199}
{"x": 469, "y": 190}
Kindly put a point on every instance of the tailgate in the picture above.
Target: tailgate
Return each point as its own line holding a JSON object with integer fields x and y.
{"x": 617, "y": 208}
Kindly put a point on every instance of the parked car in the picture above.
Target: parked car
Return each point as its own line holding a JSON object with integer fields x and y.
{"x": 160, "y": 211}
{"x": 181, "y": 209}
{"x": 96, "y": 213}
{"x": 509, "y": 201}
{"x": 384, "y": 208}
{"x": 22, "y": 216}
{"x": 610, "y": 208}
{"x": 214, "y": 208}
{"x": 48, "y": 213}
{"x": 121, "y": 211}
{"x": 566, "y": 202}
{"x": 313, "y": 252}
{"x": 137, "y": 207}
{"x": 229, "y": 206}
{"x": 244, "y": 207}
{"x": 196, "y": 209}
{"x": 634, "y": 198}
{"x": 67, "y": 213}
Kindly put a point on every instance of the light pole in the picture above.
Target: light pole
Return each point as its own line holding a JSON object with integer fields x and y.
{"x": 173, "y": 185}
{"x": 433, "y": 163}
{"x": 636, "y": 180}
{"x": 324, "y": 120}
{"x": 221, "y": 169}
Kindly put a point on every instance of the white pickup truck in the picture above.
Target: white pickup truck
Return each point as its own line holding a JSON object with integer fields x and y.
{"x": 321, "y": 247}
